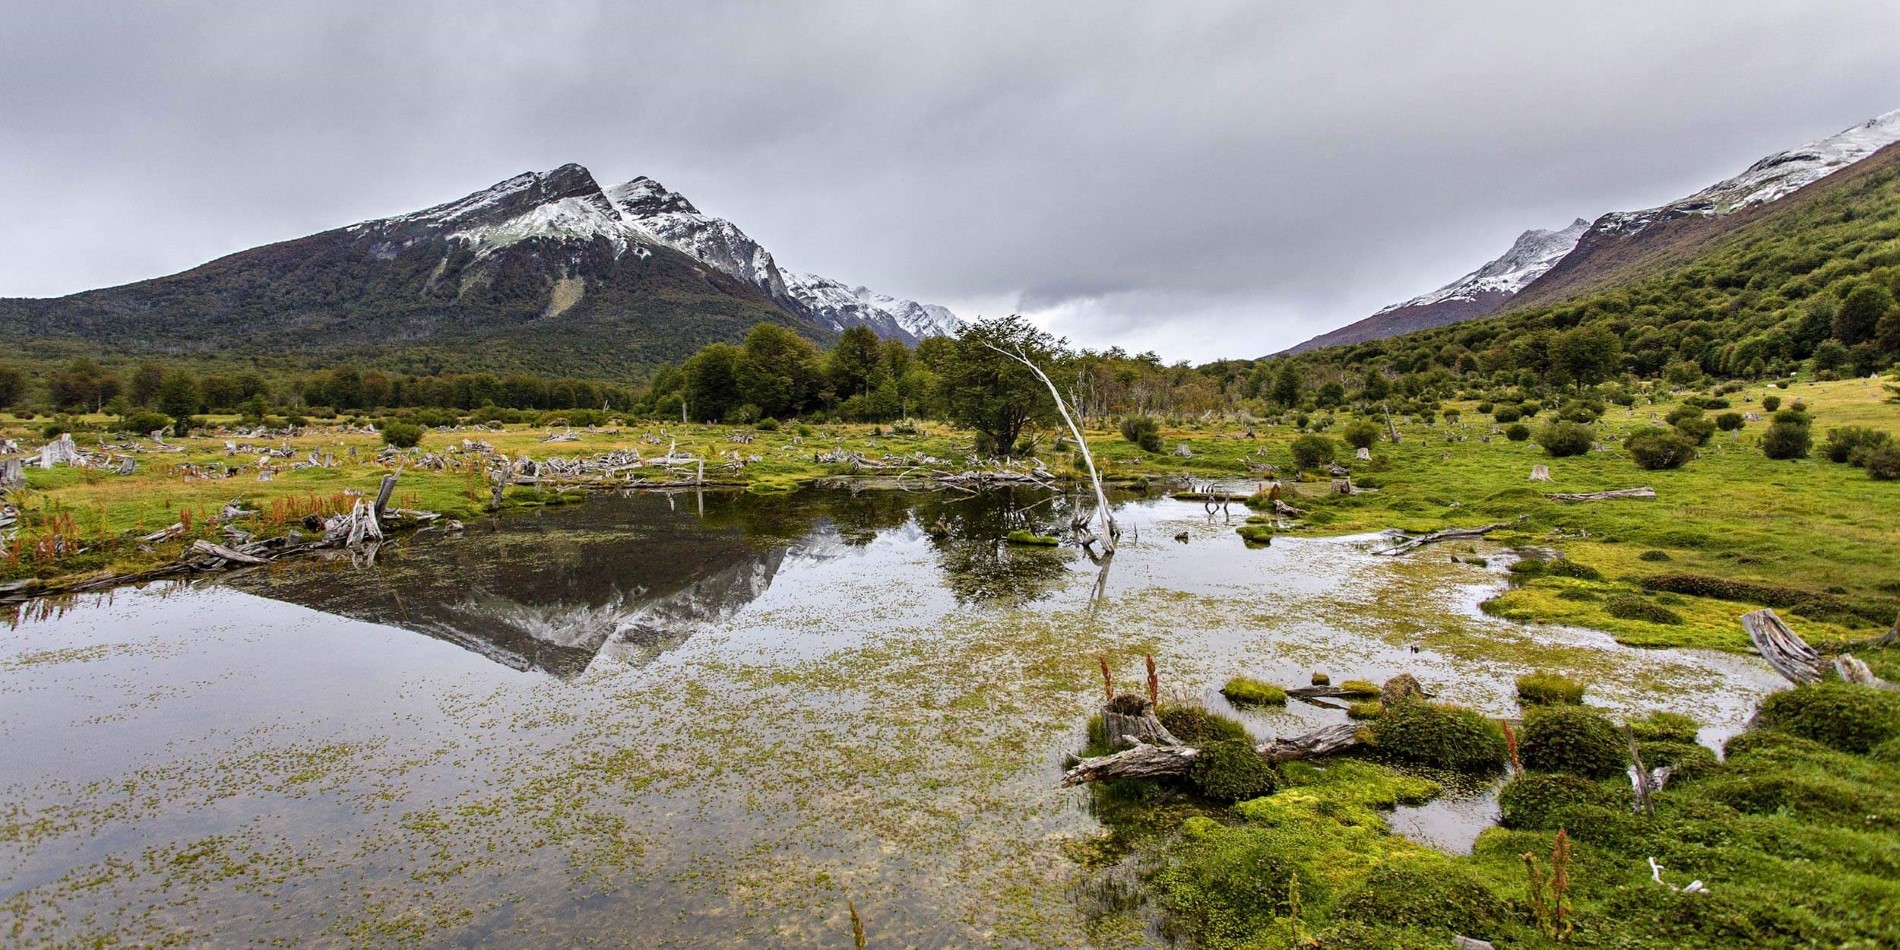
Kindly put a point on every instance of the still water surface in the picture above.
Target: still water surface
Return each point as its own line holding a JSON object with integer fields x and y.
{"x": 691, "y": 720}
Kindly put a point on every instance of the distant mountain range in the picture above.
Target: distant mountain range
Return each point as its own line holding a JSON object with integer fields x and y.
{"x": 1545, "y": 267}
{"x": 545, "y": 272}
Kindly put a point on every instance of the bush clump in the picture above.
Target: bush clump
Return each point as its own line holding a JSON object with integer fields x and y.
{"x": 1564, "y": 439}
{"x": 1730, "y": 421}
{"x": 1224, "y": 885}
{"x": 1143, "y": 431}
{"x": 1370, "y": 709}
{"x": 402, "y": 435}
{"x": 1414, "y": 893}
{"x": 1438, "y": 735}
{"x": 1247, "y": 691}
{"x": 1361, "y": 434}
{"x": 1655, "y": 449}
{"x": 1844, "y": 716}
{"x": 1517, "y": 432}
{"x": 1845, "y": 442}
{"x": 1537, "y": 800}
{"x": 1231, "y": 771}
{"x": 1544, "y": 688}
{"x": 1507, "y": 414}
{"x": 1565, "y": 567}
{"x": 1787, "y": 438}
{"x": 1883, "y": 463}
{"x": 1198, "y": 726}
{"x": 1632, "y": 607}
{"x": 1312, "y": 451}
{"x": 1571, "y": 739}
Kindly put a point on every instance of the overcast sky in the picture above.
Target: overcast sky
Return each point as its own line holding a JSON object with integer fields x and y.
{"x": 1201, "y": 179}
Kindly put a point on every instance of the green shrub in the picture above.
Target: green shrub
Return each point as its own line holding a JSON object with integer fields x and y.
{"x": 1321, "y": 679}
{"x": 1581, "y": 410}
{"x": 1369, "y": 709}
{"x": 1664, "y": 727}
{"x": 1424, "y": 893}
{"x": 1026, "y": 536}
{"x": 1883, "y": 463}
{"x": 1786, "y": 440}
{"x": 1507, "y": 414}
{"x": 1571, "y": 739}
{"x": 1255, "y": 535}
{"x": 1544, "y": 688}
{"x": 767, "y": 424}
{"x": 1537, "y": 800}
{"x": 1517, "y": 432}
{"x": 1632, "y": 607}
{"x": 1230, "y": 771}
{"x": 1529, "y": 566}
{"x": 1312, "y": 451}
{"x": 1844, "y": 442}
{"x": 1697, "y": 430}
{"x": 402, "y": 435}
{"x": 1659, "y": 449}
{"x": 1564, "y": 439}
{"x": 1438, "y": 735}
{"x": 1143, "y": 431}
{"x": 1197, "y": 725}
{"x": 1770, "y": 403}
{"x": 1730, "y": 421}
{"x": 1361, "y": 434}
{"x": 1654, "y": 555}
{"x": 1844, "y": 716}
{"x": 142, "y": 422}
{"x": 1247, "y": 691}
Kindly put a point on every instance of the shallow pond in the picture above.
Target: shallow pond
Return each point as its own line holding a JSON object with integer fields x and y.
{"x": 691, "y": 719}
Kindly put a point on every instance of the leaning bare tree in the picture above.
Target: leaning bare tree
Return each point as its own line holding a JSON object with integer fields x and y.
{"x": 1109, "y": 530}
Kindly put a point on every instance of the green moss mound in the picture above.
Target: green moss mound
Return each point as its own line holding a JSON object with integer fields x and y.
{"x": 1231, "y": 771}
{"x": 1426, "y": 894}
{"x": 1544, "y": 688}
{"x": 1843, "y": 716}
{"x": 1572, "y": 739}
{"x": 1224, "y": 885}
{"x": 1026, "y": 536}
{"x": 1256, "y": 535}
{"x": 1247, "y": 691}
{"x": 1198, "y": 726}
{"x": 1632, "y": 607}
{"x": 1541, "y": 800}
{"x": 1438, "y": 735}
{"x": 1359, "y": 689}
{"x": 1685, "y": 760}
{"x": 1366, "y": 710}
{"x": 1665, "y": 727}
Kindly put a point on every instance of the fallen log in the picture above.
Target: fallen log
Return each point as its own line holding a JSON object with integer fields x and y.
{"x": 218, "y": 550}
{"x": 1643, "y": 492}
{"x": 1319, "y": 742}
{"x": 1782, "y": 647}
{"x": 1449, "y": 534}
{"x": 1142, "y": 761}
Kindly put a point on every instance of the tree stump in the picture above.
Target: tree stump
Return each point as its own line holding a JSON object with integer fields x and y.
{"x": 1782, "y": 647}
{"x": 1130, "y": 719}
{"x": 1540, "y": 473}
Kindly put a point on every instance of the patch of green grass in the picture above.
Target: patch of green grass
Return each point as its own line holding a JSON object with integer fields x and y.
{"x": 1247, "y": 691}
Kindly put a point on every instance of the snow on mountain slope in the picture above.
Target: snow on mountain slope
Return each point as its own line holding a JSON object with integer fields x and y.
{"x": 1774, "y": 177}
{"x": 1530, "y": 256}
{"x": 720, "y": 244}
{"x": 565, "y": 203}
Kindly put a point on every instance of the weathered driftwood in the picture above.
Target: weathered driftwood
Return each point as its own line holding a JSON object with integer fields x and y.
{"x": 12, "y": 474}
{"x": 1782, "y": 648}
{"x": 1449, "y": 534}
{"x": 1320, "y": 742}
{"x": 1643, "y": 492}
{"x": 218, "y": 550}
{"x": 1641, "y": 782}
{"x": 1142, "y": 761}
{"x": 1111, "y": 533}
{"x": 1461, "y": 942}
{"x": 383, "y": 491}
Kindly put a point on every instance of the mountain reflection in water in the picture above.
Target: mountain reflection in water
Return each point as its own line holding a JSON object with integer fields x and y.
{"x": 632, "y": 576}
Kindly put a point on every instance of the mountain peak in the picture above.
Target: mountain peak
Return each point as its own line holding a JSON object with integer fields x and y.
{"x": 644, "y": 197}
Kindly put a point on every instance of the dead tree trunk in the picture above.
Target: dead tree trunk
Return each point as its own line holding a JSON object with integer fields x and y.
{"x": 1449, "y": 534}
{"x": 1110, "y": 533}
{"x": 12, "y": 475}
{"x": 383, "y": 491}
{"x": 1129, "y": 719}
{"x": 1852, "y": 670}
{"x": 1782, "y": 648}
{"x": 1643, "y": 492}
{"x": 1142, "y": 761}
{"x": 1319, "y": 742}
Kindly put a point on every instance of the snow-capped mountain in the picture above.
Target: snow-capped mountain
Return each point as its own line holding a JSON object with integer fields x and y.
{"x": 1772, "y": 178}
{"x": 830, "y": 303}
{"x": 1545, "y": 266}
{"x": 1533, "y": 253}
{"x": 669, "y": 217}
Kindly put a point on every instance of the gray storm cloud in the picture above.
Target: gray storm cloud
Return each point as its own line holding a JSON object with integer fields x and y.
{"x": 1200, "y": 179}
